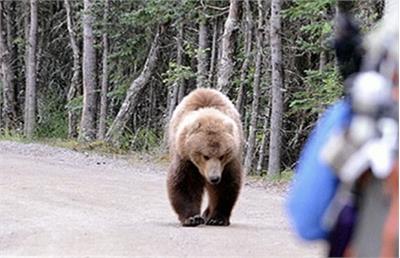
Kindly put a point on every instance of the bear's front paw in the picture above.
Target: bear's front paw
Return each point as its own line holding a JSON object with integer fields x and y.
{"x": 193, "y": 221}
{"x": 217, "y": 221}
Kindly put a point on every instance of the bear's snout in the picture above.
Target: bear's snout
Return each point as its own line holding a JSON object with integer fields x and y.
{"x": 214, "y": 179}
{"x": 213, "y": 171}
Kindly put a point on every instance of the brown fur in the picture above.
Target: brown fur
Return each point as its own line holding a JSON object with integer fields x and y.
{"x": 205, "y": 143}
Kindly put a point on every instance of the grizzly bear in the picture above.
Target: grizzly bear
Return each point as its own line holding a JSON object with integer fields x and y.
{"x": 205, "y": 140}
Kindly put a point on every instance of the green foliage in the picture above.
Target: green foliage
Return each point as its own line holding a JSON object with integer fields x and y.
{"x": 52, "y": 122}
{"x": 312, "y": 15}
{"x": 152, "y": 12}
{"x": 190, "y": 49}
{"x": 145, "y": 139}
{"x": 305, "y": 9}
{"x": 120, "y": 89}
{"x": 321, "y": 88}
{"x": 19, "y": 42}
{"x": 177, "y": 73}
{"x": 75, "y": 105}
{"x": 52, "y": 114}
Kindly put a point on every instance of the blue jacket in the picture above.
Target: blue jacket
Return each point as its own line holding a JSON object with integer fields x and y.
{"x": 315, "y": 183}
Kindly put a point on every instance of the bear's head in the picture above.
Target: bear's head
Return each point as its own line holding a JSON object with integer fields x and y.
{"x": 210, "y": 140}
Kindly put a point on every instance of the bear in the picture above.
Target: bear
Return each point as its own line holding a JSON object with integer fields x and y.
{"x": 205, "y": 140}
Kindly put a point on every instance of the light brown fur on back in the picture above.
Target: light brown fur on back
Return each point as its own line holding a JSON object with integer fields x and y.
{"x": 200, "y": 100}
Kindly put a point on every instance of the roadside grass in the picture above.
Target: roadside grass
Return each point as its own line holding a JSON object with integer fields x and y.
{"x": 285, "y": 176}
{"x": 280, "y": 183}
{"x": 7, "y": 135}
{"x": 156, "y": 154}
{"x": 95, "y": 146}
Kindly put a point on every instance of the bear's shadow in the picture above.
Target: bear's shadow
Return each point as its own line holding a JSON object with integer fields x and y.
{"x": 241, "y": 226}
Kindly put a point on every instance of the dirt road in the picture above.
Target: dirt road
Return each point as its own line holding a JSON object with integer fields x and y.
{"x": 55, "y": 201}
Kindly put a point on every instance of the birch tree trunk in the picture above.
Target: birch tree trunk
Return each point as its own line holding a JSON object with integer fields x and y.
{"x": 74, "y": 87}
{"x": 241, "y": 98}
{"x": 251, "y": 140}
{"x": 87, "y": 127}
{"x": 132, "y": 95}
{"x": 30, "y": 90}
{"x": 104, "y": 76}
{"x": 7, "y": 78}
{"x": 182, "y": 85}
{"x": 263, "y": 151}
{"x": 202, "y": 60}
{"x": 225, "y": 69}
{"x": 213, "y": 53}
{"x": 277, "y": 85}
{"x": 219, "y": 52}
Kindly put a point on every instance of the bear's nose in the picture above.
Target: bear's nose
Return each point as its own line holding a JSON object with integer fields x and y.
{"x": 214, "y": 179}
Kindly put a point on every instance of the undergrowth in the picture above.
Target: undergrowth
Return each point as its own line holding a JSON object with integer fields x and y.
{"x": 154, "y": 154}
{"x": 95, "y": 146}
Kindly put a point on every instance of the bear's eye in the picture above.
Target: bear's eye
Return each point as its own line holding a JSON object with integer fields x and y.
{"x": 206, "y": 157}
{"x": 221, "y": 157}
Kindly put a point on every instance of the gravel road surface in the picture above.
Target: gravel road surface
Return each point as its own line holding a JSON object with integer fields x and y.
{"x": 59, "y": 202}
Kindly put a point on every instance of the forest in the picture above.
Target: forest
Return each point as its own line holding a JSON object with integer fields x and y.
{"x": 113, "y": 71}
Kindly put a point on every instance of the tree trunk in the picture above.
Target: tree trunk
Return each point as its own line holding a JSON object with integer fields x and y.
{"x": 220, "y": 42}
{"x": 322, "y": 60}
{"x": 132, "y": 95}
{"x": 263, "y": 146}
{"x": 30, "y": 90}
{"x": 174, "y": 92}
{"x": 241, "y": 98}
{"x": 104, "y": 76}
{"x": 75, "y": 80}
{"x": 181, "y": 93}
{"x": 251, "y": 141}
{"x": 267, "y": 110}
{"x": 213, "y": 53}
{"x": 7, "y": 76}
{"x": 277, "y": 84}
{"x": 202, "y": 60}
{"x": 151, "y": 106}
{"x": 87, "y": 128}
{"x": 174, "y": 98}
{"x": 182, "y": 86}
{"x": 294, "y": 142}
{"x": 12, "y": 47}
{"x": 225, "y": 69}
{"x": 27, "y": 10}
{"x": 322, "y": 54}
